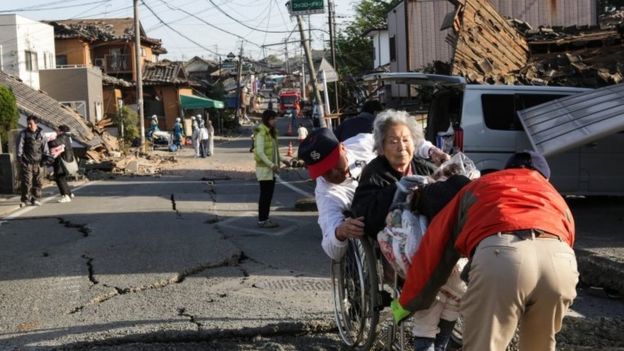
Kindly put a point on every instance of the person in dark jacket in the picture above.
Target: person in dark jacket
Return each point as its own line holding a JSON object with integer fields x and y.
{"x": 31, "y": 150}
{"x": 61, "y": 150}
{"x": 362, "y": 123}
{"x": 396, "y": 135}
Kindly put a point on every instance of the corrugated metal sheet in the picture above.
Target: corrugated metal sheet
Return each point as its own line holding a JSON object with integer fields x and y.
{"x": 549, "y": 12}
{"x": 426, "y": 18}
{"x": 575, "y": 120}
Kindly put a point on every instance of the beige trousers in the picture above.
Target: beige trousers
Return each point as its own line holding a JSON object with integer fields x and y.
{"x": 512, "y": 280}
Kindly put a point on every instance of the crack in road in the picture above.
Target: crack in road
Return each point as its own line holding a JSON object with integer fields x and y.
{"x": 231, "y": 261}
{"x": 173, "y": 205}
{"x": 90, "y": 269}
{"x": 182, "y": 313}
{"x": 82, "y": 228}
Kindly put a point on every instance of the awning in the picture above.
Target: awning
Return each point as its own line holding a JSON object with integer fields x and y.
{"x": 574, "y": 120}
{"x": 195, "y": 102}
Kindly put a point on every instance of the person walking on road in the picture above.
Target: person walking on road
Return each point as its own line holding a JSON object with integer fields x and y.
{"x": 195, "y": 137}
{"x": 267, "y": 157}
{"x": 178, "y": 133}
{"x": 32, "y": 148}
{"x": 210, "y": 129}
{"x": 302, "y": 133}
{"x": 518, "y": 232}
{"x": 61, "y": 150}
{"x": 203, "y": 140}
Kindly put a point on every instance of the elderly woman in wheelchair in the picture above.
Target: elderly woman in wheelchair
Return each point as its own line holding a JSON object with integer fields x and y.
{"x": 393, "y": 187}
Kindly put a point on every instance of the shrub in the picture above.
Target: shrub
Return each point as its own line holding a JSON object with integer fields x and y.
{"x": 9, "y": 114}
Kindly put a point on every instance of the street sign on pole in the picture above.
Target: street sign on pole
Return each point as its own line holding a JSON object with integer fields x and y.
{"x": 306, "y": 7}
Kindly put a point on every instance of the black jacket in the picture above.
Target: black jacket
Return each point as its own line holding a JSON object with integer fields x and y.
{"x": 31, "y": 146}
{"x": 376, "y": 188}
{"x": 67, "y": 155}
{"x": 362, "y": 123}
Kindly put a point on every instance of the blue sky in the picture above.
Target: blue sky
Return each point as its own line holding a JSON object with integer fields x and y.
{"x": 256, "y": 16}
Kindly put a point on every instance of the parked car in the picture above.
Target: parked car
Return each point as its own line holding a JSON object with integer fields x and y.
{"x": 482, "y": 121}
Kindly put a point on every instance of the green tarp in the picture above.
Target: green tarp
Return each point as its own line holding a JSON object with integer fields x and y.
{"x": 196, "y": 102}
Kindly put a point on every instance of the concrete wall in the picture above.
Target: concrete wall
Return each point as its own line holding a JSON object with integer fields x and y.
{"x": 76, "y": 51}
{"x": 76, "y": 84}
{"x": 19, "y": 34}
{"x": 381, "y": 43}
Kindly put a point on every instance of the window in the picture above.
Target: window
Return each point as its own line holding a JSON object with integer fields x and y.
{"x": 500, "y": 111}
{"x": 31, "y": 61}
{"x": 392, "y": 49}
{"x": 61, "y": 60}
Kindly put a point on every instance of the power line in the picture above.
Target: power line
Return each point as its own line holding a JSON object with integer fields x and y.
{"x": 30, "y": 9}
{"x": 244, "y": 24}
{"x": 176, "y": 31}
{"x": 209, "y": 24}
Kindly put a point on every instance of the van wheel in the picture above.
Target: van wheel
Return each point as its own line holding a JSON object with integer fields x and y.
{"x": 487, "y": 171}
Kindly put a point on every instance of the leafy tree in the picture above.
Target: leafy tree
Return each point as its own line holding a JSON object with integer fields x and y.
{"x": 8, "y": 113}
{"x": 130, "y": 122}
{"x": 354, "y": 50}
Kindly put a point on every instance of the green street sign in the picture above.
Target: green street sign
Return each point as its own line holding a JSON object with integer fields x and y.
{"x": 306, "y": 7}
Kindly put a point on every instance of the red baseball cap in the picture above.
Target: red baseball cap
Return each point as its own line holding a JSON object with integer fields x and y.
{"x": 320, "y": 151}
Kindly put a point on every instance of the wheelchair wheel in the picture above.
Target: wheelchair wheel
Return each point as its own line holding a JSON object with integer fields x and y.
{"x": 356, "y": 290}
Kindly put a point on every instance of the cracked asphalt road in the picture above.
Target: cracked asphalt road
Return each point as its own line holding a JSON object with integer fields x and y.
{"x": 177, "y": 263}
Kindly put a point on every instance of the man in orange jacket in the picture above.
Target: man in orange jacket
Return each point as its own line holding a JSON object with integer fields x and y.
{"x": 518, "y": 232}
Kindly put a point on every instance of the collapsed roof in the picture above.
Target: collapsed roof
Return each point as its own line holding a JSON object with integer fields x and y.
{"x": 488, "y": 48}
{"x": 104, "y": 29}
{"x": 49, "y": 111}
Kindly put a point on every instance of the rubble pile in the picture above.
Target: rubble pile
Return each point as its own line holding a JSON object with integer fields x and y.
{"x": 103, "y": 32}
{"x": 136, "y": 164}
{"x": 494, "y": 50}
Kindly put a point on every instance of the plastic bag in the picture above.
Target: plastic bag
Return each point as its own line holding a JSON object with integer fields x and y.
{"x": 400, "y": 239}
{"x": 457, "y": 164}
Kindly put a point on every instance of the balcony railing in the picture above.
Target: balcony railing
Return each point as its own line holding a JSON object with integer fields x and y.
{"x": 114, "y": 63}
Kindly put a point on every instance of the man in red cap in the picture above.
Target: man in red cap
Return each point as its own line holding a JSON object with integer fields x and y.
{"x": 518, "y": 233}
{"x": 337, "y": 166}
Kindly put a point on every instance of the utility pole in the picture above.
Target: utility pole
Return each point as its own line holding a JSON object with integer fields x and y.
{"x": 312, "y": 71}
{"x": 332, "y": 43}
{"x": 139, "y": 73}
{"x": 238, "y": 80}
{"x": 286, "y": 56}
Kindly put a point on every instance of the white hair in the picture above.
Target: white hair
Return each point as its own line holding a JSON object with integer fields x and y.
{"x": 388, "y": 118}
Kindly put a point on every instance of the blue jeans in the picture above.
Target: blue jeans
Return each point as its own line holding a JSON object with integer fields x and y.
{"x": 440, "y": 341}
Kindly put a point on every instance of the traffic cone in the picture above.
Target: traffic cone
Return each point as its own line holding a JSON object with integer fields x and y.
{"x": 290, "y": 149}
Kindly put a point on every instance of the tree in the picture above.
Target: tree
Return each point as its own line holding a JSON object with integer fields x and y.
{"x": 9, "y": 114}
{"x": 354, "y": 50}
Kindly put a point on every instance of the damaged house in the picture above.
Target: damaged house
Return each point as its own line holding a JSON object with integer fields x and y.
{"x": 107, "y": 43}
{"x": 421, "y": 33}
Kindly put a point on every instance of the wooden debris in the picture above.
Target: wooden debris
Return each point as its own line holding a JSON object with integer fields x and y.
{"x": 486, "y": 46}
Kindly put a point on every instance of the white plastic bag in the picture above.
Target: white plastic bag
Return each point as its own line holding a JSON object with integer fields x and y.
{"x": 457, "y": 164}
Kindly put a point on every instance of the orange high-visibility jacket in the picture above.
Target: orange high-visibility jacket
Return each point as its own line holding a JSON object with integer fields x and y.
{"x": 503, "y": 201}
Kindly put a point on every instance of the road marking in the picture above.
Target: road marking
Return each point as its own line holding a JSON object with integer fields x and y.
{"x": 252, "y": 214}
{"x": 293, "y": 188}
{"x": 43, "y": 201}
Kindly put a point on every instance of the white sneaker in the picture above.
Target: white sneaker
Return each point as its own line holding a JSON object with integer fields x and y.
{"x": 64, "y": 198}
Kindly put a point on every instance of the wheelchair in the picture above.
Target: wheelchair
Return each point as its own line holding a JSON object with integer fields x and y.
{"x": 362, "y": 292}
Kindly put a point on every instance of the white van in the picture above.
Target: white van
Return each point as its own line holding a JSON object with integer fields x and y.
{"x": 486, "y": 116}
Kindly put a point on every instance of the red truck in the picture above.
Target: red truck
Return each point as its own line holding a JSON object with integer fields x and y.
{"x": 289, "y": 99}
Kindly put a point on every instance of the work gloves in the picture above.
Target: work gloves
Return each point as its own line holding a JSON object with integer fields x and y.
{"x": 398, "y": 312}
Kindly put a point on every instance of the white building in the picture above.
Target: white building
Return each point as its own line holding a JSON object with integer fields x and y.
{"x": 26, "y": 46}
{"x": 381, "y": 44}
